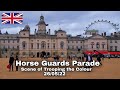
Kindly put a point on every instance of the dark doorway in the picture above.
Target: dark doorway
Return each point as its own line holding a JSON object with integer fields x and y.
{"x": 37, "y": 54}
{"x": 43, "y": 53}
{"x": 48, "y": 54}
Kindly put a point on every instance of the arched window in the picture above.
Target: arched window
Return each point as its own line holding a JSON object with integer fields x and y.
{"x": 31, "y": 53}
{"x": 103, "y": 45}
{"x": 24, "y": 44}
{"x": 62, "y": 53}
{"x": 92, "y": 44}
{"x": 97, "y": 45}
{"x": 43, "y": 45}
{"x": 53, "y": 53}
{"x": 62, "y": 45}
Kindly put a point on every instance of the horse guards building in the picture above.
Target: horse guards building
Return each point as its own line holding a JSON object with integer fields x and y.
{"x": 25, "y": 44}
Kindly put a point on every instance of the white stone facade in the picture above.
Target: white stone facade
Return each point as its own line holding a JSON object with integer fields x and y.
{"x": 28, "y": 45}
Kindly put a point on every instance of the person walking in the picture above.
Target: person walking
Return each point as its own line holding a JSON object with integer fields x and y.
{"x": 69, "y": 57}
{"x": 99, "y": 58}
{"x": 11, "y": 61}
{"x": 89, "y": 58}
{"x": 55, "y": 58}
{"x": 78, "y": 56}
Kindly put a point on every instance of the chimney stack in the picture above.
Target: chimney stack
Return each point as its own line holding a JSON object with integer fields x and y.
{"x": 49, "y": 32}
{"x": 115, "y": 34}
{"x": 111, "y": 34}
{"x": 55, "y": 32}
{"x": 104, "y": 33}
{"x": 0, "y": 32}
{"x": 35, "y": 31}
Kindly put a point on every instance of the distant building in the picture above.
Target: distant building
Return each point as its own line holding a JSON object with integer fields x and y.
{"x": 74, "y": 44}
{"x": 95, "y": 42}
{"x": 91, "y": 32}
{"x": 114, "y": 42}
{"x": 9, "y": 44}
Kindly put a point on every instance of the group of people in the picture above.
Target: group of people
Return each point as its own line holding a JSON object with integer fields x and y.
{"x": 98, "y": 58}
{"x": 78, "y": 57}
{"x": 11, "y": 62}
{"x": 87, "y": 57}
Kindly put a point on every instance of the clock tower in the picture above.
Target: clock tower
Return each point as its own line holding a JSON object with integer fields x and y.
{"x": 41, "y": 26}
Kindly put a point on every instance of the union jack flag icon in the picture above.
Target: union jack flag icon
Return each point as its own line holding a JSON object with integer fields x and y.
{"x": 12, "y": 18}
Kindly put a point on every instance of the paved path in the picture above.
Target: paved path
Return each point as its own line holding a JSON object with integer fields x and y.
{"x": 109, "y": 70}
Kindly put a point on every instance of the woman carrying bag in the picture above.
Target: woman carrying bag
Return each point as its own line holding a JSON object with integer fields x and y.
{"x": 11, "y": 61}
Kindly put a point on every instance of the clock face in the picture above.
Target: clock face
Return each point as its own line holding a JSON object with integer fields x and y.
{"x": 42, "y": 27}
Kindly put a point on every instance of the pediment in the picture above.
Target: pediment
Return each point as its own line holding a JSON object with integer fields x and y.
{"x": 97, "y": 37}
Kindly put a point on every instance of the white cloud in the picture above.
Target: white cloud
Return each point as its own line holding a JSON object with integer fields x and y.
{"x": 12, "y": 30}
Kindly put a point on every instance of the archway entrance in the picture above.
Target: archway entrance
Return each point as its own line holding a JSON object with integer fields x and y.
{"x": 48, "y": 54}
{"x": 43, "y": 53}
{"x": 38, "y": 54}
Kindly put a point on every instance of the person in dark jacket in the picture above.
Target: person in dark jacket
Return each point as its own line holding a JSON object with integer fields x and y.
{"x": 15, "y": 62}
{"x": 99, "y": 58}
{"x": 11, "y": 61}
{"x": 57, "y": 58}
{"x": 89, "y": 58}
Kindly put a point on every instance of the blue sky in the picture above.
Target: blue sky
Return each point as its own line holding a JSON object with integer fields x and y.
{"x": 73, "y": 22}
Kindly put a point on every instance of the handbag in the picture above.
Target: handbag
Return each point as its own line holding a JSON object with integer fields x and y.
{"x": 8, "y": 66}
